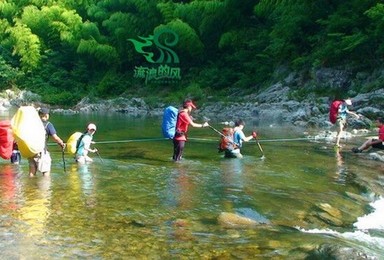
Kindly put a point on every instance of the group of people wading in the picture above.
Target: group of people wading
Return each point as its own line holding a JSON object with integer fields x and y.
{"x": 232, "y": 138}
{"x": 184, "y": 119}
{"x": 41, "y": 161}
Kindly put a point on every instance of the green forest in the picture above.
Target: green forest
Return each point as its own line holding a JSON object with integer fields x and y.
{"x": 65, "y": 50}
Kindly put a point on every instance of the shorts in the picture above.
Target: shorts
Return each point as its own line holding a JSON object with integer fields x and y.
{"x": 378, "y": 145}
{"x": 233, "y": 154}
{"x": 41, "y": 161}
{"x": 341, "y": 123}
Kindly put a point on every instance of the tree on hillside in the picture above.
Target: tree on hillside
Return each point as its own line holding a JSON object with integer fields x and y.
{"x": 82, "y": 46}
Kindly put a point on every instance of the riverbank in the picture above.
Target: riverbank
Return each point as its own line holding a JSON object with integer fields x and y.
{"x": 272, "y": 106}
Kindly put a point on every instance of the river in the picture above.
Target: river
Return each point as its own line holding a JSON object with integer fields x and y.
{"x": 134, "y": 202}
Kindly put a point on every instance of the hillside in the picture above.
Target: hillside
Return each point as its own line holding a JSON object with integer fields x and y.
{"x": 65, "y": 50}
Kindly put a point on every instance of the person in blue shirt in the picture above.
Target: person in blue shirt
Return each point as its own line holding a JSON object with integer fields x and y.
{"x": 239, "y": 137}
{"x": 341, "y": 122}
{"x": 42, "y": 161}
{"x": 84, "y": 146}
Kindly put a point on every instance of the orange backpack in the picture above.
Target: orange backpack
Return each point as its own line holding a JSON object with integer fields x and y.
{"x": 226, "y": 140}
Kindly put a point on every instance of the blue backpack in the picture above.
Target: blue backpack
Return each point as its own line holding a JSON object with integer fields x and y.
{"x": 168, "y": 127}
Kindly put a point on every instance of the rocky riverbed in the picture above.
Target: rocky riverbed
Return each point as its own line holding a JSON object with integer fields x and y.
{"x": 272, "y": 106}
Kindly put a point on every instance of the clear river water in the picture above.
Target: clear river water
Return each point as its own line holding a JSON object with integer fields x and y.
{"x": 134, "y": 202}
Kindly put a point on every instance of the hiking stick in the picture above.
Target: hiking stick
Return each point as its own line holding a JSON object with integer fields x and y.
{"x": 97, "y": 152}
{"x": 261, "y": 149}
{"x": 217, "y": 131}
{"x": 62, "y": 155}
{"x": 221, "y": 134}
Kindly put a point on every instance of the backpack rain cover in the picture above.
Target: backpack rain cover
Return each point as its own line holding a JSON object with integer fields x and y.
{"x": 168, "y": 126}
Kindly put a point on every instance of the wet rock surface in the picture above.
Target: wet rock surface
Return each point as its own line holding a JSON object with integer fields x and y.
{"x": 232, "y": 220}
{"x": 329, "y": 251}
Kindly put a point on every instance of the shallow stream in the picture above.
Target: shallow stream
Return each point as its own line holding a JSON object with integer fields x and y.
{"x": 133, "y": 201}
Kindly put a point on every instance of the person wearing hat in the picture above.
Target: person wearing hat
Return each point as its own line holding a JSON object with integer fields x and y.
{"x": 341, "y": 121}
{"x": 42, "y": 161}
{"x": 84, "y": 146}
{"x": 183, "y": 121}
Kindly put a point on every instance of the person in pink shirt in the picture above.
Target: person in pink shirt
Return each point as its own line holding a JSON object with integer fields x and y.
{"x": 374, "y": 142}
{"x": 183, "y": 121}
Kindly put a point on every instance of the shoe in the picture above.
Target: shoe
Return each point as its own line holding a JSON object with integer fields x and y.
{"x": 356, "y": 150}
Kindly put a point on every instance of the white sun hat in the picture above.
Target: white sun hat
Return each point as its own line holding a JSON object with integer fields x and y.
{"x": 91, "y": 127}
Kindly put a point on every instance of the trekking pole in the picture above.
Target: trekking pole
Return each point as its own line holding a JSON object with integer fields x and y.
{"x": 97, "y": 152}
{"x": 217, "y": 131}
{"x": 261, "y": 149}
{"x": 62, "y": 155}
{"x": 231, "y": 141}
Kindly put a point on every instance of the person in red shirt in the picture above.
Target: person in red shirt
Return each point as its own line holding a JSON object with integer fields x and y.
{"x": 183, "y": 121}
{"x": 375, "y": 143}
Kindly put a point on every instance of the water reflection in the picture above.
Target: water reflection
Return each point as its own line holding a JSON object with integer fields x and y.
{"x": 343, "y": 175}
{"x": 181, "y": 187}
{"x": 341, "y": 169}
{"x": 232, "y": 181}
{"x": 236, "y": 193}
{"x": 82, "y": 181}
{"x": 9, "y": 185}
{"x": 36, "y": 208}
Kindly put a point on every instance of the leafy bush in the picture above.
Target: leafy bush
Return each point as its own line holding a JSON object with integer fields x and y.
{"x": 63, "y": 99}
{"x": 8, "y": 74}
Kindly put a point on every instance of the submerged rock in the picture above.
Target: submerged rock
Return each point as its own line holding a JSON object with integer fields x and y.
{"x": 329, "y": 214}
{"x": 330, "y": 210}
{"x": 233, "y": 220}
{"x": 182, "y": 230}
{"x": 330, "y": 219}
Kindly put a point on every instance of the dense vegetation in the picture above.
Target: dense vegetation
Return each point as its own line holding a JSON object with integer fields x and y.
{"x": 67, "y": 49}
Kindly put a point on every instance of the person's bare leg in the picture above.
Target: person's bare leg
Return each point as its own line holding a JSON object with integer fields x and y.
{"x": 365, "y": 145}
{"x": 32, "y": 167}
{"x": 339, "y": 133}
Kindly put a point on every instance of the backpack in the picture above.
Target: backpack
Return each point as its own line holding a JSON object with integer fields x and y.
{"x": 28, "y": 131}
{"x": 73, "y": 142}
{"x": 226, "y": 140}
{"x": 6, "y": 139}
{"x": 168, "y": 125}
{"x": 333, "y": 111}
